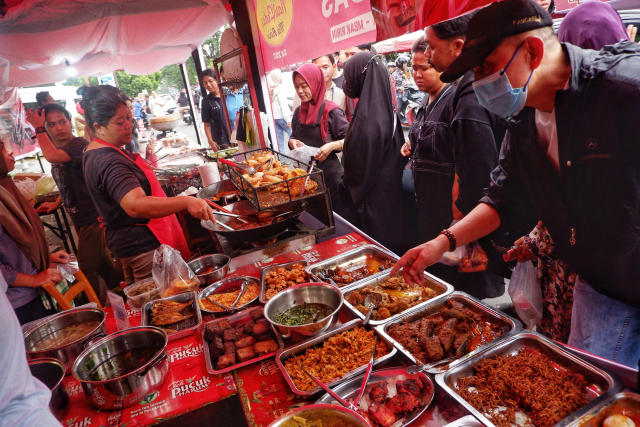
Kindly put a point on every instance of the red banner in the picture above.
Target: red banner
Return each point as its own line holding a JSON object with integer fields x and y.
{"x": 15, "y": 131}
{"x": 291, "y": 32}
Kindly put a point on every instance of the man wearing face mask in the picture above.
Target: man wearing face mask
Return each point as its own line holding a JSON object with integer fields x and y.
{"x": 571, "y": 156}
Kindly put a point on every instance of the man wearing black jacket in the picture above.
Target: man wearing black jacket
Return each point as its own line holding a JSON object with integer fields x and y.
{"x": 462, "y": 152}
{"x": 571, "y": 155}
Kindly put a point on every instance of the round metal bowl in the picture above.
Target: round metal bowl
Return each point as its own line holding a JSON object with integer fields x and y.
{"x": 214, "y": 189}
{"x": 319, "y": 293}
{"x": 341, "y": 416}
{"x": 220, "y": 261}
{"x": 119, "y": 370}
{"x": 67, "y": 353}
{"x": 51, "y": 372}
{"x": 227, "y": 285}
{"x": 165, "y": 124}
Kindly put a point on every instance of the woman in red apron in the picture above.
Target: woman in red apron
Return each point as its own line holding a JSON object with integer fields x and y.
{"x": 136, "y": 214}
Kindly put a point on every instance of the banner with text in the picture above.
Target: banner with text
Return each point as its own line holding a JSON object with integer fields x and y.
{"x": 294, "y": 31}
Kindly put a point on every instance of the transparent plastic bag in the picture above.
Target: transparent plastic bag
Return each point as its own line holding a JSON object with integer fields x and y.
{"x": 27, "y": 187}
{"x": 304, "y": 154}
{"x": 171, "y": 272}
{"x": 526, "y": 293}
{"x": 473, "y": 259}
{"x": 45, "y": 185}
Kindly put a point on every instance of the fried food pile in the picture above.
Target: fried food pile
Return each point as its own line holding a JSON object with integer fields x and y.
{"x": 239, "y": 341}
{"x": 277, "y": 172}
{"x": 528, "y": 382}
{"x": 353, "y": 272}
{"x": 397, "y": 296}
{"x": 283, "y": 278}
{"x": 453, "y": 331}
{"x": 228, "y": 298}
{"x": 336, "y": 357}
{"x": 383, "y": 409}
{"x": 164, "y": 313}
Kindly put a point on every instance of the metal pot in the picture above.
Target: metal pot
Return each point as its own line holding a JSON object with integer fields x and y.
{"x": 220, "y": 261}
{"x": 51, "y": 372}
{"x": 122, "y": 368}
{"x": 211, "y": 191}
{"x": 320, "y": 293}
{"x": 66, "y": 354}
{"x": 256, "y": 233}
{"x": 164, "y": 123}
{"x": 347, "y": 417}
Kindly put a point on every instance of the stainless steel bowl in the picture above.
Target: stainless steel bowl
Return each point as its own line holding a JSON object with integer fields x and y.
{"x": 132, "y": 362}
{"x": 319, "y": 293}
{"x": 67, "y": 354}
{"x": 220, "y": 261}
{"x": 51, "y": 372}
{"x": 347, "y": 417}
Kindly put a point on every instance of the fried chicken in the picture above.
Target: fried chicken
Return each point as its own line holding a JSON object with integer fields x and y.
{"x": 401, "y": 403}
{"x": 379, "y": 392}
{"x": 409, "y": 386}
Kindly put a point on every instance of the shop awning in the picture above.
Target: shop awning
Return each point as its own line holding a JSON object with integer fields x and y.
{"x": 100, "y": 36}
{"x": 398, "y": 44}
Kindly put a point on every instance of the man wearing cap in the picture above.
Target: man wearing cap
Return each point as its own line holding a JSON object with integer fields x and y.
{"x": 458, "y": 144}
{"x": 571, "y": 156}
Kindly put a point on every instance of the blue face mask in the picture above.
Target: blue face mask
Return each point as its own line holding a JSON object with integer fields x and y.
{"x": 496, "y": 94}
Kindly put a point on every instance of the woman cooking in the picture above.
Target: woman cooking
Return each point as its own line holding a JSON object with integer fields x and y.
{"x": 136, "y": 214}
{"x": 319, "y": 123}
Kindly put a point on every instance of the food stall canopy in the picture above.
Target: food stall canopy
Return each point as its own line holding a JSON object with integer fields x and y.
{"x": 99, "y": 36}
{"x": 398, "y": 44}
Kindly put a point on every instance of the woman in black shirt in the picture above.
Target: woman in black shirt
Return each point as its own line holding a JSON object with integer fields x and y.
{"x": 215, "y": 125}
{"x": 136, "y": 214}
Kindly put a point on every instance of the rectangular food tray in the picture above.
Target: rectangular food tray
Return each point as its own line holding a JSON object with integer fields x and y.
{"x": 235, "y": 320}
{"x": 317, "y": 341}
{"x": 343, "y": 260}
{"x": 262, "y": 197}
{"x": 266, "y": 270}
{"x": 596, "y": 416}
{"x": 442, "y": 289}
{"x": 598, "y": 379}
{"x": 186, "y": 327}
{"x": 494, "y": 316}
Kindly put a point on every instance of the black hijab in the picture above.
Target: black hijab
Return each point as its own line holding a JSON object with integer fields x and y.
{"x": 371, "y": 135}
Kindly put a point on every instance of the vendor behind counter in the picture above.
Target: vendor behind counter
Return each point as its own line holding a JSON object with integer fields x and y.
{"x": 135, "y": 213}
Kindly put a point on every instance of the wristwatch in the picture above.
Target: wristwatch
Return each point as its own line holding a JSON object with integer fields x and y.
{"x": 40, "y": 129}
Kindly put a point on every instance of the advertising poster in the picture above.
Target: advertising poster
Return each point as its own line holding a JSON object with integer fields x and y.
{"x": 15, "y": 131}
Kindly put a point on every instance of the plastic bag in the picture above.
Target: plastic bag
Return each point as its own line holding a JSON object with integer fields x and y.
{"x": 473, "y": 259}
{"x": 304, "y": 154}
{"x": 171, "y": 272}
{"x": 45, "y": 185}
{"x": 526, "y": 293}
{"x": 27, "y": 187}
{"x": 453, "y": 258}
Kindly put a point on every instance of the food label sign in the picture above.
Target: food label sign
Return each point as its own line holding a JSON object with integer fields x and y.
{"x": 294, "y": 31}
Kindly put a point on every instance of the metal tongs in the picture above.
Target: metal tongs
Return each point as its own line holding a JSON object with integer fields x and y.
{"x": 304, "y": 185}
{"x": 243, "y": 289}
{"x": 412, "y": 370}
{"x": 355, "y": 406}
{"x": 246, "y": 168}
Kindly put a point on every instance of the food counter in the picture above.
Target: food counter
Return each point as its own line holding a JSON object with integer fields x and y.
{"x": 262, "y": 389}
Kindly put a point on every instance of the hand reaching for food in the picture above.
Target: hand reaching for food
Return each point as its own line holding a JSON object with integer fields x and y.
{"x": 327, "y": 149}
{"x": 294, "y": 143}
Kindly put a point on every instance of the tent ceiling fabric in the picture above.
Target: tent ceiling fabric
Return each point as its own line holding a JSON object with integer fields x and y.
{"x": 100, "y": 36}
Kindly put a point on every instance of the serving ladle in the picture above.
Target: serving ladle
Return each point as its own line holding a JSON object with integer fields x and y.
{"x": 372, "y": 301}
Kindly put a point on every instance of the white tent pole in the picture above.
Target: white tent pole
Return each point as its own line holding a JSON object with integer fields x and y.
{"x": 185, "y": 79}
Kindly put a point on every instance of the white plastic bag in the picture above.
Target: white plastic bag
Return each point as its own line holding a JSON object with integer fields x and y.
{"x": 526, "y": 293}
{"x": 171, "y": 272}
{"x": 304, "y": 154}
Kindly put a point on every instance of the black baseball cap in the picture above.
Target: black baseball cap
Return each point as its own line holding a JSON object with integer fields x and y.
{"x": 490, "y": 26}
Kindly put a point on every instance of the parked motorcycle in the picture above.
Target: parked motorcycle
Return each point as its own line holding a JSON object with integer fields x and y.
{"x": 408, "y": 104}
{"x": 186, "y": 116}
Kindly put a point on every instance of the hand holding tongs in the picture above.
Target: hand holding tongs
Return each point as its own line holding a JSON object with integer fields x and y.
{"x": 246, "y": 168}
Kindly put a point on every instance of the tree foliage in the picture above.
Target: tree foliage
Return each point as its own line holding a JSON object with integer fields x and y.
{"x": 80, "y": 81}
{"x": 172, "y": 76}
{"x": 211, "y": 48}
{"x": 132, "y": 85}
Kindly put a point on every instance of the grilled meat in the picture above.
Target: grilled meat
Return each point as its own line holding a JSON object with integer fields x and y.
{"x": 379, "y": 392}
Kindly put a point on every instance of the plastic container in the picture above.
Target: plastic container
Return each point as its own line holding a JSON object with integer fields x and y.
{"x": 137, "y": 300}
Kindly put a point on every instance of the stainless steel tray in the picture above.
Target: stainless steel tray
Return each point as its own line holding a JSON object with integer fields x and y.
{"x": 494, "y": 316}
{"x": 268, "y": 269}
{"x": 300, "y": 348}
{"x": 442, "y": 289}
{"x": 467, "y": 421}
{"x": 606, "y": 384}
{"x": 223, "y": 285}
{"x": 630, "y": 401}
{"x": 356, "y": 256}
{"x": 236, "y": 320}
{"x": 349, "y": 390}
{"x": 185, "y": 327}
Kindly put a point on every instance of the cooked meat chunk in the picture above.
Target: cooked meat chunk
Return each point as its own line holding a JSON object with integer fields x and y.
{"x": 409, "y": 386}
{"x": 248, "y": 327}
{"x": 447, "y": 333}
{"x": 216, "y": 349}
{"x": 426, "y": 327}
{"x": 462, "y": 344}
{"x": 229, "y": 348}
{"x": 355, "y": 298}
{"x": 245, "y": 354}
{"x": 261, "y": 320}
{"x": 257, "y": 313}
{"x": 265, "y": 347}
{"x": 412, "y": 346}
{"x": 260, "y": 329}
{"x": 230, "y": 335}
{"x": 401, "y": 403}
{"x": 212, "y": 330}
{"x": 456, "y": 314}
{"x": 432, "y": 348}
{"x": 245, "y": 342}
{"x": 225, "y": 361}
{"x": 381, "y": 414}
{"x": 379, "y": 392}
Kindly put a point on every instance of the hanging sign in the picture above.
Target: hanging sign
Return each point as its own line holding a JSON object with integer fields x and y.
{"x": 295, "y": 31}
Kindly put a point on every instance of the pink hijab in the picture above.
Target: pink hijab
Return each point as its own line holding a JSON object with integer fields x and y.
{"x": 308, "y": 113}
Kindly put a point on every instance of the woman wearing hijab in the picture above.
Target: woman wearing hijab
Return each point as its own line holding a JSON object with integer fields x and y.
{"x": 592, "y": 25}
{"x": 136, "y": 214}
{"x": 280, "y": 107}
{"x": 589, "y": 26}
{"x": 319, "y": 123}
{"x": 373, "y": 164}
{"x": 24, "y": 253}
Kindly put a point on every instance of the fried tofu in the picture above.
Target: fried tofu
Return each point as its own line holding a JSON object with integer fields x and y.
{"x": 265, "y": 347}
